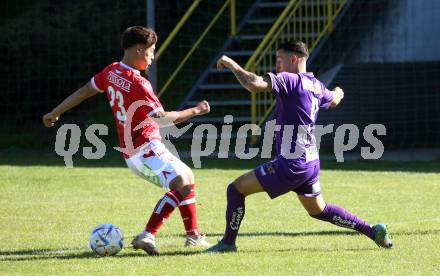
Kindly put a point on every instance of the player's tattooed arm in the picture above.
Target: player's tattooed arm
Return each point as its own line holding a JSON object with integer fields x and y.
{"x": 248, "y": 80}
{"x": 252, "y": 82}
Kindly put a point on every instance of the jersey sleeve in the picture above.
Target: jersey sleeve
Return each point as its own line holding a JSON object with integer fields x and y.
{"x": 145, "y": 92}
{"x": 327, "y": 98}
{"x": 98, "y": 80}
{"x": 283, "y": 83}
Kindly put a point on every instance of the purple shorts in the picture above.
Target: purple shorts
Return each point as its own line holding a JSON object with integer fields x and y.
{"x": 277, "y": 179}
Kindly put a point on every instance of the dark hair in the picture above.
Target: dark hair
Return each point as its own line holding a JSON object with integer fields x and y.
{"x": 138, "y": 35}
{"x": 295, "y": 47}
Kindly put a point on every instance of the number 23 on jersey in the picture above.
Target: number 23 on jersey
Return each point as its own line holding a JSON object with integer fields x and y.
{"x": 116, "y": 97}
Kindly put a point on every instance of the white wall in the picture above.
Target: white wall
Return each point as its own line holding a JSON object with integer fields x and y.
{"x": 410, "y": 31}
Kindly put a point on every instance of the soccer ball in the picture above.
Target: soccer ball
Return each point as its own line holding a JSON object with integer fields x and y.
{"x": 106, "y": 240}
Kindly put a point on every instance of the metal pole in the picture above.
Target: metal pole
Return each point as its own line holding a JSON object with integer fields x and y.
{"x": 151, "y": 24}
{"x": 233, "y": 18}
{"x": 176, "y": 29}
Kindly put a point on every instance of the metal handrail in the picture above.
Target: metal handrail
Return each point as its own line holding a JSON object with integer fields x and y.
{"x": 274, "y": 27}
{"x": 193, "y": 48}
{"x": 177, "y": 28}
{"x": 233, "y": 31}
{"x": 275, "y": 33}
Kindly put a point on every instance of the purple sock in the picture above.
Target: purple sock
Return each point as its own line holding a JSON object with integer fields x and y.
{"x": 234, "y": 214}
{"x": 341, "y": 217}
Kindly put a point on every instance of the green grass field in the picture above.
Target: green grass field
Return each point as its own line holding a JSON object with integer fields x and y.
{"x": 47, "y": 212}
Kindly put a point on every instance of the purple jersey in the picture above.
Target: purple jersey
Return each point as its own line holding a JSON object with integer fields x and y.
{"x": 298, "y": 100}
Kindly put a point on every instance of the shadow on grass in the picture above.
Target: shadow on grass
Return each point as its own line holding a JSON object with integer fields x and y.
{"x": 328, "y": 233}
{"x": 313, "y": 250}
{"x": 42, "y": 253}
{"x": 291, "y": 234}
{"x": 67, "y": 254}
{"x": 322, "y": 233}
{"x": 37, "y": 158}
{"x": 89, "y": 255}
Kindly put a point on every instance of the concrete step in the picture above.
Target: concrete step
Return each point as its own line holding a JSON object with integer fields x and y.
{"x": 220, "y": 86}
{"x": 250, "y": 37}
{"x": 214, "y": 120}
{"x": 238, "y": 53}
{"x": 216, "y": 71}
{"x": 273, "y": 4}
{"x": 271, "y": 20}
{"x": 320, "y": 2}
{"x": 264, "y": 20}
{"x": 232, "y": 136}
{"x": 230, "y": 103}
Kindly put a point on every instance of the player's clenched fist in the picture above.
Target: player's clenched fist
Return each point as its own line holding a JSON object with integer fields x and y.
{"x": 49, "y": 119}
{"x": 223, "y": 62}
{"x": 203, "y": 107}
{"x": 339, "y": 91}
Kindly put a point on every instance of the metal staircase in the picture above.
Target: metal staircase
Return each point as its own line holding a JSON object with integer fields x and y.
{"x": 266, "y": 24}
{"x": 219, "y": 87}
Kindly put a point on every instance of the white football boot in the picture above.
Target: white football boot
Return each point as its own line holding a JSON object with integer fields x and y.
{"x": 196, "y": 241}
{"x": 146, "y": 242}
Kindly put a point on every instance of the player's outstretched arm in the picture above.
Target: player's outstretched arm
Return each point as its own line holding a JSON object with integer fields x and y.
{"x": 338, "y": 95}
{"x": 70, "y": 102}
{"x": 249, "y": 80}
{"x": 167, "y": 118}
